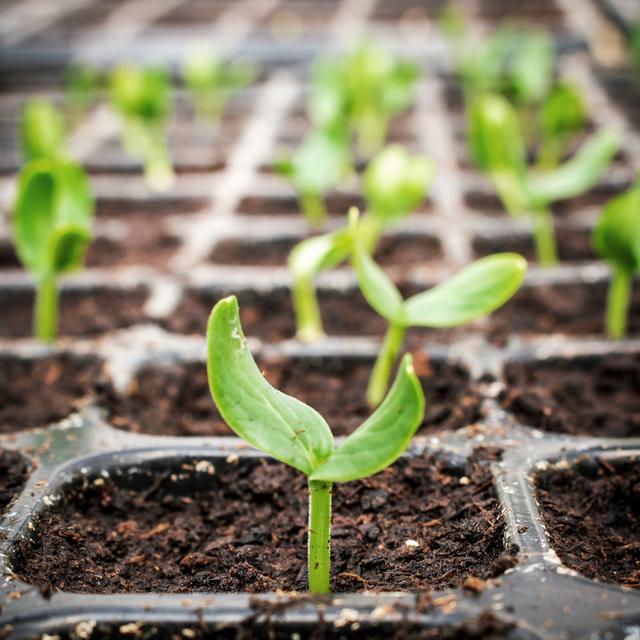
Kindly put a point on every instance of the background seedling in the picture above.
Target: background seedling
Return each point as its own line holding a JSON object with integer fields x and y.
{"x": 293, "y": 433}
{"x": 474, "y": 292}
{"x": 496, "y": 146}
{"x": 394, "y": 184}
{"x": 81, "y": 90}
{"x": 616, "y": 239}
{"x": 142, "y": 99}
{"x": 211, "y": 82}
{"x": 42, "y": 130}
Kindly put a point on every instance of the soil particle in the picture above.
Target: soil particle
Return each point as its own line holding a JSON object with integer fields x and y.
{"x": 590, "y": 395}
{"x": 14, "y": 472}
{"x": 175, "y": 399}
{"x": 592, "y": 513}
{"x": 36, "y": 392}
{"x": 82, "y": 313}
{"x": 242, "y": 527}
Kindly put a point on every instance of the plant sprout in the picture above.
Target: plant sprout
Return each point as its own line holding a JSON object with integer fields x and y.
{"x": 474, "y": 292}
{"x": 82, "y": 85}
{"x": 394, "y": 183}
{"x": 51, "y": 228}
{"x": 295, "y": 434}
{"x": 42, "y": 130}
{"x": 142, "y": 99}
{"x": 497, "y": 148}
{"x": 616, "y": 239}
{"x": 211, "y": 82}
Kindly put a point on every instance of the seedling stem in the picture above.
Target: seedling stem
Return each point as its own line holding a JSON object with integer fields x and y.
{"x": 305, "y": 305}
{"x": 618, "y": 302}
{"x": 544, "y": 237}
{"x": 319, "y": 536}
{"x": 378, "y": 381}
{"x": 46, "y": 309}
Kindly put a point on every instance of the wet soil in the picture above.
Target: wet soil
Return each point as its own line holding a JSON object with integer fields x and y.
{"x": 241, "y": 526}
{"x": 175, "y": 399}
{"x": 592, "y": 513}
{"x": 82, "y": 312}
{"x": 36, "y": 392}
{"x": 14, "y": 472}
{"x": 149, "y": 207}
{"x": 337, "y": 205}
{"x": 590, "y": 395}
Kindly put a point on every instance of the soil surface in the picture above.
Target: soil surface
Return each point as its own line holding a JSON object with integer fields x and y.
{"x": 175, "y": 399}
{"x": 337, "y": 204}
{"x": 82, "y": 313}
{"x": 591, "y": 395}
{"x": 592, "y": 513}
{"x": 14, "y": 472}
{"x": 241, "y": 526}
{"x": 37, "y": 392}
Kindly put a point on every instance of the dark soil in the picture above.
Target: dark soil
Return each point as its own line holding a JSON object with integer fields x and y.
{"x": 396, "y": 249}
{"x": 574, "y": 245}
{"x": 624, "y": 90}
{"x": 175, "y": 399}
{"x": 592, "y": 513}
{"x": 337, "y": 204}
{"x": 36, "y": 392}
{"x": 82, "y": 312}
{"x": 150, "y": 207}
{"x": 14, "y": 472}
{"x": 590, "y": 395}
{"x": 242, "y": 527}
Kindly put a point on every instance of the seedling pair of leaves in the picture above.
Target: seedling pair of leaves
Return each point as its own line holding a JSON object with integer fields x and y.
{"x": 141, "y": 96}
{"x": 295, "y": 434}
{"x": 52, "y": 212}
{"x": 211, "y": 82}
{"x": 616, "y": 239}
{"x": 394, "y": 184}
{"x": 497, "y": 147}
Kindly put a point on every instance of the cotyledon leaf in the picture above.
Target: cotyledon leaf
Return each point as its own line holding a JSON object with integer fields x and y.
{"x": 382, "y": 438}
{"x": 283, "y": 427}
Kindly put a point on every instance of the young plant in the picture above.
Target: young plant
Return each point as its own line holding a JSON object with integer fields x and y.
{"x": 211, "y": 82}
{"x": 616, "y": 239}
{"x": 295, "y": 434}
{"x": 472, "y": 293}
{"x": 496, "y": 146}
{"x": 42, "y": 130}
{"x": 142, "y": 99}
{"x": 394, "y": 183}
{"x": 51, "y": 228}
{"x": 81, "y": 87}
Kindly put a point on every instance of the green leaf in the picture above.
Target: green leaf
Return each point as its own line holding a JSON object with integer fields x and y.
{"x": 530, "y": 69}
{"x": 475, "y": 291}
{"x": 578, "y": 175}
{"x": 67, "y": 247}
{"x": 42, "y": 129}
{"x": 616, "y": 236}
{"x": 377, "y": 287}
{"x": 562, "y": 112}
{"x": 267, "y": 419}
{"x": 395, "y": 183}
{"x": 313, "y": 255}
{"x": 381, "y": 439}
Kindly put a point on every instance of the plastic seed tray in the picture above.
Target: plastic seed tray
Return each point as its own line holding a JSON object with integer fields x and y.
{"x": 122, "y": 400}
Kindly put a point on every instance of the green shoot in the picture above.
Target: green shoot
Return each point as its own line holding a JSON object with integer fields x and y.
{"x": 51, "y": 228}
{"x": 394, "y": 184}
{"x": 472, "y": 293}
{"x": 211, "y": 82}
{"x": 82, "y": 86}
{"x": 496, "y": 146}
{"x": 42, "y": 130}
{"x": 295, "y": 434}
{"x": 616, "y": 239}
{"x": 142, "y": 99}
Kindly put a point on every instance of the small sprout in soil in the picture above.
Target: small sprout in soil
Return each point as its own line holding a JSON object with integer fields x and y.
{"x": 496, "y": 146}
{"x": 394, "y": 184}
{"x": 474, "y": 292}
{"x": 51, "y": 228}
{"x": 211, "y": 82}
{"x": 42, "y": 130}
{"x": 142, "y": 99}
{"x": 616, "y": 239}
{"x": 82, "y": 85}
{"x": 295, "y": 434}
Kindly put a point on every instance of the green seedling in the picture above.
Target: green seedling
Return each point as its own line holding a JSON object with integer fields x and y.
{"x": 497, "y": 148}
{"x": 211, "y": 82}
{"x": 42, "y": 130}
{"x": 472, "y": 293}
{"x": 51, "y": 228}
{"x": 81, "y": 88}
{"x": 616, "y": 239}
{"x": 295, "y": 434}
{"x": 142, "y": 99}
{"x": 320, "y": 163}
{"x": 394, "y": 184}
